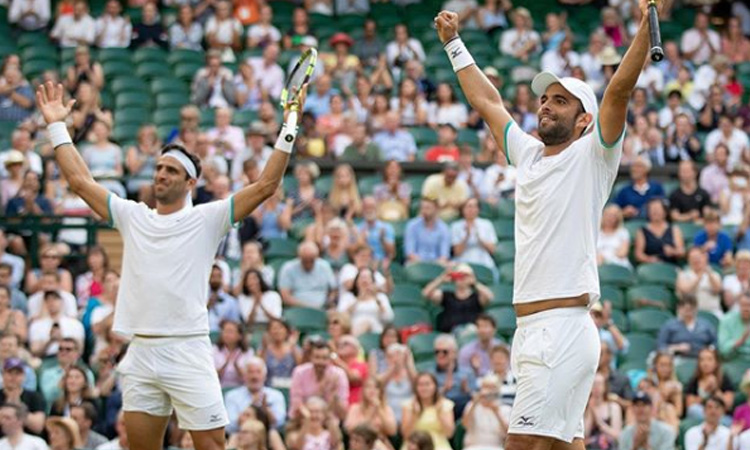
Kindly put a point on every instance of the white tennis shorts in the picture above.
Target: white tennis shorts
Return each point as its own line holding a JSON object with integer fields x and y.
{"x": 158, "y": 374}
{"x": 554, "y": 358}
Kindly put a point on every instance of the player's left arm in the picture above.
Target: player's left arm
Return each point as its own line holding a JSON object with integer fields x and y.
{"x": 613, "y": 110}
{"x": 250, "y": 197}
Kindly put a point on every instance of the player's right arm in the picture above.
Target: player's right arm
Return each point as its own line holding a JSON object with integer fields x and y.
{"x": 49, "y": 99}
{"x": 480, "y": 93}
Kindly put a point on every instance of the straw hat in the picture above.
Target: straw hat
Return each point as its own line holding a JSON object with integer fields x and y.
{"x": 70, "y": 427}
{"x": 609, "y": 56}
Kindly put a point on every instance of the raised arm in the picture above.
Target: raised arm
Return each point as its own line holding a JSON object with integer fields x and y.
{"x": 49, "y": 99}
{"x": 613, "y": 109}
{"x": 247, "y": 199}
{"x": 480, "y": 93}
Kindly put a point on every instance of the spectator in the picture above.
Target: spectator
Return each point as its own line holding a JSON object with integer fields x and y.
{"x": 14, "y": 393}
{"x": 75, "y": 391}
{"x": 700, "y": 43}
{"x": 429, "y": 412}
{"x": 653, "y": 148}
{"x": 299, "y": 30}
{"x": 708, "y": 381}
{"x": 715, "y": 242}
{"x": 29, "y": 200}
{"x": 646, "y": 432}
{"x": 104, "y": 158}
{"x": 687, "y": 334}
{"x": 658, "y": 240}
{"x": 446, "y": 109}
{"x": 319, "y": 427}
{"x": 338, "y": 325}
{"x": 344, "y": 195}
{"x": 186, "y": 33}
{"x": 732, "y": 199}
{"x": 401, "y": 50}
{"x": 711, "y": 434}
{"x": 88, "y": 110}
{"x": 341, "y": 64}
{"x": 16, "y": 262}
{"x": 485, "y": 418}
{"x": 456, "y": 382}
{"x": 393, "y": 195}
{"x": 473, "y": 238}
{"x": 448, "y": 191}
{"x": 618, "y": 383}
{"x": 85, "y": 416}
{"x": 427, "y": 237}
{"x": 226, "y": 140}
{"x": 11, "y": 347}
{"x": 701, "y": 281}
{"x": 463, "y": 303}
{"x": 45, "y": 334}
{"x": 683, "y": 143}
{"x": 362, "y": 148}
{"x": 665, "y": 383}
{"x": 738, "y": 282}
{"x": 306, "y": 197}
{"x": 734, "y": 330}
{"x": 14, "y": 320}
{"x": 410, "y": 104}
{"x": 602, "y": 417}
{"x": 258, "y": 303}
{"x": 13, "y": 416}
{"x": 247, "y": 86}
{"x": 319, "y": 378}
{"x": 348, "y": 351}
{"x": 91, "y": 282}
{"x": 520, "y": 41}
{"x": 740, "y": 422}
{"x": 364, "y": 437}
{"x": 633, "y": 197}
{"x": 675, "y": 107}
{"x": 477, "y": 353}
{"x": 307, "y": 280}
{"x": 613, "y": 244}
{"x": 29, "y": 15}
{"x": 212, "y": 85}
{"x": 397, "y": 144}
{"x": 369, "y": 48}
{"x": 221, "y": 305}
{"x": 500, "y": 360}
{"x": 280, "y": 352}
{"x": 714, "y": 177}
{"x": 16, "y": 95}
{"x": 319, "y": 102}
{"x": 12, "y": 181}
{"x": 50, "y": 377}
{"x": 608, "y": 331}
{"x": 231, "y": 354}
{"x": 369, "y": 309}
{"x": 711, "y": 110}
{"x": 378, "y": 357}
{"x": 333, "y": 237}
{"x": 734, "y": 138}
{"x": 100, "y": 311}
{"x": 223, "y": 31}
{"x": 17, "y": 297}
{"x": 733, "y": 44}
{"x": 76, "y": 29}
{"x": 120, "y": 442}
{"x": 149, "y": 32}
{"x": 499, "y": 179}
{"x": 420, "y": 440}
{"x": 446, "y": 149}
{"x": 112, "y": 29}
{"x": 492, "y": 15}
{"x": 263, "y": 32}
{"x": 590, "y": 60}
{"x": 473, "y": 176}
{"x": 63, "y": 433}
{"x": 140, "y": 160}
{"x": 397, "y": 374}
{"x": 255, "y": 393}
{"x": 563, "y": 59}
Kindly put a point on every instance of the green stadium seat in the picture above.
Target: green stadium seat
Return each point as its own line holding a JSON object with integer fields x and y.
{"x": 502, "y": 295}
{"x": 633, "y": 225}
{"x": 172, "y": 100}
{"x": 424, "y": 135}
{"x": 152, "y": 69}
{"x": 128, "y": 84}
{"x": 616, "y": 275}
{"x": 657, "y": 273}
{"x": 36, "y": 67}
{"x": 244, "y": 118}
{"x": 114, "y": 54}
{"x": 648, "y": 320}
{"x": 306, "y": 320}
{"x": 178, "y": 56}
{"x": 710, "y": 318}
{"x": 650, "y": 296}
{"x": 685, "y": 369}
{"x": 505, "y": 228}
{"x": 689, "y": 230}
{"x": 641, "y": 346}
{"x": 208, "y": 117}
{"x": 613, "y": 295}
{"x": 40, "y": 52}
{"x": 367, "y": 183}
{"x": 33, "y": 39}
{"x": 125, "y": 132}
{"x": 398, "y": 273}
{"x": 469, "y": 137}
{"x": 280, "y": 248}
{"x": 323, "y": 184}
{"x": 408, "y": 316}
{"x": 131, "y": 116}
{"x": 406, "y": 294}
{"x": 505, "y": 318}
{"x": 633, "y": 366}
{"x": 117, "y": 68}
{"x": 169, "y": 85}
{"x": 167, "y": 116}
{"x": 423, "y": 346}
{"x": 369, "y": 342}
{"x": 149, "y": 54}
{"x": 133, "y": 100}
{"x": 620, "y": 320}
{"x": 735, "y": 370}
{"x": 507, "y": 272}
{"x": 505, "y": 251}
{"x": 163, "y": 131}
{"x": 415, "y": 181}
{"x": 421, "y": 273}
{"x": 507, "y": 208}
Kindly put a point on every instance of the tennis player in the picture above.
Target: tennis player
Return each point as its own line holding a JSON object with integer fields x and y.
{"x": 564, "y": 179}
{"x": 168, "y": 255}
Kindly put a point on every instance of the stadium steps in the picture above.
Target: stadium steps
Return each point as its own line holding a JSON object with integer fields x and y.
{"x": 111, "y": 240}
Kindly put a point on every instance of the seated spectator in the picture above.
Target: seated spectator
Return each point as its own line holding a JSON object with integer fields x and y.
{"x": 51, "y": 281}
{"x": 221, "y": 305}
{"x": 634, "y": 197}
{"x": 14, "y": 393}
{"x": 738, "y": 282}
{"x": 733, "y": 330}
{"x": 499, "y": 179}
{"x": 50, "y": 377}
{"x": 613, "y": 244}
{"x": 18, "y": 299}
{"x": 341, "y": 64}
{"x": 741, "y": 415}
{"x": 306, "y": 197}
{"x": 687, "y": 334}
{"x": 714, "y": 241}
{"x": 75, "y": 391}
{"x": 492, "y": 15}
{"x": 618, "y": 383}
{"x": 263, "y": 32}
{"x": 307, "y": 280}
{"x": 700, "y": 43}
{"x": 258, "y": 303}
{"x": 712, "y": 106}
{"x": 369, "y": 309}
{"x": 149, "y": 32}
{"x": 456, "y": 382}
{"x": 561, "y": 60}
{"x": 226, "y": 140}
{"x": 231, "y": 354}
{"x": 87, "y": 110}
{"x": 711, "y": 434}
{"x": 254, "y": 429}
{"x": 602, "y": 417}
{"x": 477, "y": 353}
{"x": 12, "y": 180}
{"x": 446, "y": 148}
{"x": 520, "y": 41}
{"x": 608, "y": 331}
{"x": 252, "y": 259}
{"x": 733, "y": 43}
{"x": 269, "y": 74}
{"x": 140, "y": 161}
{"x": 700, "y": 281}
{"x": 338, "y": 325}
{"x": 120, "y": 442}
{"x": 14, "y": 320}
{"x": 85, "y": 415}
{"x": 446, "y": 109}
{"x": 377, "y": 357}
{"x": 409, "y": 104}
{"x": 427, "y": 237}
{"x": 63, "y": 433}
{"x": 361, "y": 148}
{"x": 335, "y": 238}
{"x": 463, "y": 303}
{"x": 11, "y": 347}
{"x": 396, "y": 143}
{"x": 688, "y": 202}
{"x": 348, "y": 351}
{"x": 50, "y": 258}
{"x": 299, "y": 29}
{"x": 112, "y": 29}
{"x": 13, "y": 416}
{"x": 247, "y": 86}
{"x": 254, "y": 392}
{"x": 319, "y": 427}
{"x": 397, "y": 374}
{"x": 16, "y": 95}
{"x": 223, "y": 31}
{"x": 29, "y": 15}
{"x": 734, "y": 138}
{"x": 500, "y": 360}
{"x": 682, "y": 141}
{"x": 732, "y": 200}
{"x": 450, "y": 192}
{"x": 186, "y": 33}
{"x": 485, "y": 417}
{"x": 17, "y": 263}
{"x": 665, "y": 382}
{"x": 646, "y": 432}
{"x": 76, "y": 29}
{"x": 714, "y": 177}
{"x": 393, "y": 195}
{"x": 212, "y": 85}
{"x": 708, "y": 381}
{"x": 274, "y": 216}
{"x": 344, "y": 195}
{"x": 29, "y": 200}
{"x": 377, "y": 235}
{"x": 45, "y": 334}
{"x": 429, "y": 412}
{"x": 319, "y": 378}
{"x": 319, "y": 101}
{"x": 473, "y": 238}
{"x": 472, "y": 176}
{"x": 280, "y": 352}
{"x": 91, "y": 282}
{"x": 104, "y": 158}
{"x": 653, "y": 147}
{"x": 401, "y": 50}
{"x": 364, "y": 437}
{"x": 658, "y": 240}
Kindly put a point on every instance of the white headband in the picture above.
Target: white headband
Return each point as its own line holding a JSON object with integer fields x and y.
{"x": 185, "y": 161}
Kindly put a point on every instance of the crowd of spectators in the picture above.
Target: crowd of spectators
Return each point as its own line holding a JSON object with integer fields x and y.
{"x": 371, "y": 311}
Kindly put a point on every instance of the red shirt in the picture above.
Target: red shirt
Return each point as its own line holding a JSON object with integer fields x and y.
{"x": 440, "y": 154}
{"x": 355, "y": 389}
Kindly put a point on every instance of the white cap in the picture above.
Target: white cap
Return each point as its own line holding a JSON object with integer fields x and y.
{"x": 579, "y": 89}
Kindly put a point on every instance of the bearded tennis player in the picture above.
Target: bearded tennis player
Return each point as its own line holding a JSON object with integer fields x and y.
{"x": 564, "y": 180}
{"x": 168, "y": 255}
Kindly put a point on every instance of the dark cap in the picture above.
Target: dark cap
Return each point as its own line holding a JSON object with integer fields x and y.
{"x": 13, "y": 363}
{"x": 641, "y": 397}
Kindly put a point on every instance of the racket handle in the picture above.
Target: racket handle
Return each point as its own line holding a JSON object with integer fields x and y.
{"x": 291, "y": 120}
{"x": 657, "y": 53}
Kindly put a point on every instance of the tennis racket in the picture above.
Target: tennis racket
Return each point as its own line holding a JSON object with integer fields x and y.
{"x": 298, "y": 77}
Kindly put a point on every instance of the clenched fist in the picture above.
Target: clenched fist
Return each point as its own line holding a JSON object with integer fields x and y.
{"x": 447, "y": 25}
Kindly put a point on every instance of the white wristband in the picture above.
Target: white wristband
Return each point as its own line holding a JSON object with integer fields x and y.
{"x": 287, "y": 136}
{"x": 458, "y": 54}
{"x": 58, "y": 134}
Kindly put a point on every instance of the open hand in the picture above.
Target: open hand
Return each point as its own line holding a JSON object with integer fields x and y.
{"x": 446, "y": 23}
{"x": 49, "y": 100}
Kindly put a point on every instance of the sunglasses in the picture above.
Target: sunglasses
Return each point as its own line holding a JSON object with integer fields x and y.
{"x": 51, "y": 256}
{"x": 66, "y": 349}
{"x": 441, "y": 351}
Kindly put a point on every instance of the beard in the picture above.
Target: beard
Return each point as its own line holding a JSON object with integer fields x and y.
{"x": 556, "y": 132}
{"x": 169, "y": 195}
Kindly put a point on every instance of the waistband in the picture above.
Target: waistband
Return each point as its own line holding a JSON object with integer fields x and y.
{"x": 158, "y": 341}
{"x": 557, "y": 313}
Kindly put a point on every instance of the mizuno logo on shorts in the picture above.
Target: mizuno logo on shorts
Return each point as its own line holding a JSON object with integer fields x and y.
{"x": 524, "y": 421}
{"x": 214, "y": 418}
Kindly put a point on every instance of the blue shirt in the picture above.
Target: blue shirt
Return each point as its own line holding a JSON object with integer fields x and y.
{"x": 629, "y": 196}
{"x": 674, "y": 331}
{"x": 475, "y": 348}
{"x": 462, "y": 376}
{"x": 319, "y": 105}
{"x": 225, "y": 308}
{"x": 310, "y": 288}
{"x": 399, "y": 145}
{"x": 723, "y": 245}
{"x": 373, "y": 237}
{"x": 11, "y": 111}
{"x": 239, "y": 399}
{"x": 429, "y": 244}
{"x": 17, "y": 206}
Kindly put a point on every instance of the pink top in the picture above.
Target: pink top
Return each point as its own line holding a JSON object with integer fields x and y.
{"x": 742, "y": 414}
{"x": 231, "y": 377}
{"x": 305, "y": 385}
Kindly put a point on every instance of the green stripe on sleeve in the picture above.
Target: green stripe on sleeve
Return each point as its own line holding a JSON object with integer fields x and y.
{"x": 601, "y": 139}
{"x": 232, "y": 223}
{"x": 111, "y": 220}
{"x": 505, "y": 138}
